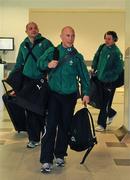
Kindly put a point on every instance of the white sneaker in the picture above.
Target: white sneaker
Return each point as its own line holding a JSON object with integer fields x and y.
{"x": 37, "y": 143}
{"x": 46, "y": 167}
{"x": 109, "y": 120}
{"x": 32, "y": 144}
{"x": 99, "y": 128}
{"x": 60, "y": 162}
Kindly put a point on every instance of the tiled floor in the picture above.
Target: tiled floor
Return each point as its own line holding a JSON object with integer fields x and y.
{"x": 109, "y": 160}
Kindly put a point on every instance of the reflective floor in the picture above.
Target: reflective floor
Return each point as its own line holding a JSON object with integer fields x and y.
{"x": 109, "y": 159}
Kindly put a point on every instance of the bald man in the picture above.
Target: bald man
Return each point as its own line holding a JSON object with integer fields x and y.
{"x": 63, "y": 83}
{"x": 32, "y": 47}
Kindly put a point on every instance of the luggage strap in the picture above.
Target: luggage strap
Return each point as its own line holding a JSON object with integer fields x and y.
{"x": 7, "y": 92}
{"x": 31, "y": 48}
{"x": 94, "y": 139}
{"x": 63, "y": 60}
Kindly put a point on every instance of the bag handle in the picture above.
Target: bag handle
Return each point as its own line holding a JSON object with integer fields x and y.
{"x": 91, "y": 147}
{"x": 7, "y": 92}
{"x": 3, "y": 82}
{"x": 92, "y": 123}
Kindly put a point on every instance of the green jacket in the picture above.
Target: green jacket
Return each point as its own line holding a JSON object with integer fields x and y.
{"x": 30, "y": 68}
{"x": 108, "y": 63}
{"x": 64, "y": 79}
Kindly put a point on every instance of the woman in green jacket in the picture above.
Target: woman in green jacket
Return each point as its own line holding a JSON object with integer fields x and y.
{"x": 63, "y": 82}
{"x": 108, "y": 65}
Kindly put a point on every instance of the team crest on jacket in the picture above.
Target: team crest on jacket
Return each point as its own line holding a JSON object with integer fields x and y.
{"x": 70, "y": 62}
{"x": 108, "y": 56}
{"x": 40, "y": 44}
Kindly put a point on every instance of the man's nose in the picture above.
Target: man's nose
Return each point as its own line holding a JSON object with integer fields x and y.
{"x": 71, "y": 38}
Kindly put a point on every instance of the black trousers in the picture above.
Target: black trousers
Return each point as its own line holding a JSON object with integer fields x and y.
{"x": 111, "y": 111}
{"x": 55, "y": 140}
{"x": 35, "y": 125}
{"x": 106, "y": 94}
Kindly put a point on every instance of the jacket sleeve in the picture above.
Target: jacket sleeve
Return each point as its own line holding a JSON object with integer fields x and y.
{"x": 84, "y": 77}
{"x": 43, "y": 61}
{"x": 96, "y": 57}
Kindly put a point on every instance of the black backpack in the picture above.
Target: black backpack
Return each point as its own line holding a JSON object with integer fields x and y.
{"x": 82, "y": 133}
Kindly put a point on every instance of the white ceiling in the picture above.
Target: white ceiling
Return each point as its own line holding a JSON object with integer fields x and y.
{"x": 92, "y": 1}
{"x": 117, "y": 4}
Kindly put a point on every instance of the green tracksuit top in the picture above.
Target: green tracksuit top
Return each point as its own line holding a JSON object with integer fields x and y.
{"x": 109, "y": 64}
{"x": 30, "y": 67}
{"x": 64, "y": 80}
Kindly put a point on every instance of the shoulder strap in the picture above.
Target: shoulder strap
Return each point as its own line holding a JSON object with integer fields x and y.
{"x": 64, "y": 59}
{"x": 37, "y": 41}
{"x": 67, "y": 57}
{"x": 56, "y": 54}
{"x": 30, "y": 49}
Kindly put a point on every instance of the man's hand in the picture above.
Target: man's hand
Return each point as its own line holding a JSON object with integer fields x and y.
{"x": 12, "y": 93}
{"x": 85, "y": 100}
{"x": 53, "y": 64}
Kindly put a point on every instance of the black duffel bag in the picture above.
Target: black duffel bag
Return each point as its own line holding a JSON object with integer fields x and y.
{"x": 34, "y": 96}
{"x": 16, "y": 79}
{"x": 95, "y": 94}
{"x": 120, "y": 81}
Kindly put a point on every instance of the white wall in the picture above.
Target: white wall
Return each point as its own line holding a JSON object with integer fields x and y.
{"x": 127, "y": 68}
{"x": 14, "y": 19}
{"x": 89, "y": 26}
{"x": 14, "y": 15}
{"x": 0, "y": 19}
{"x": 127, "y": 25}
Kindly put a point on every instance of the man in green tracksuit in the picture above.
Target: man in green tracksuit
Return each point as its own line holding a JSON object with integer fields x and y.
{"x": 108, "y": 65}
{"x": 34, "y": 37}
{"x": 63, "y": 83}
{"x": 39, "y": 45}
